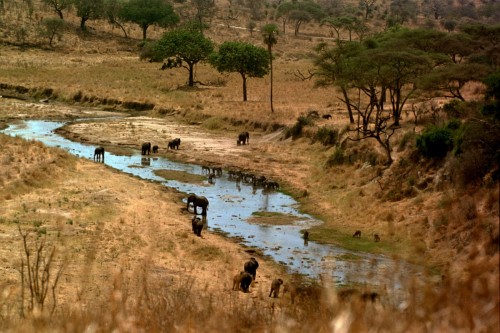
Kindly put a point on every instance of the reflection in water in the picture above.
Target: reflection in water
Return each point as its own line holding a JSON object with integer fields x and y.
{"x": 229, "y": 210}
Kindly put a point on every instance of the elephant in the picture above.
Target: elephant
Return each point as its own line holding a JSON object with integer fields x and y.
{"x": 243, "y": 138}
{"x": 275, "y": 287}
{"x": 174, "y": 144}
{"x": 251, "y": 267}
{"x": 357, "y": 234}
{"x": 245, "y": 281}
{"x": 146, "y": 148}
{"x": 376, "y": 238}
{"x": 198, "y": 201}
{"x": 98, "y": 153}
{"x": 155, "y": 149}
{"x": 197, "y": 225}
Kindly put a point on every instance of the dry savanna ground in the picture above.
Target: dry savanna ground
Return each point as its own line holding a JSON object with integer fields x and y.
{"x": 125, "y": 242}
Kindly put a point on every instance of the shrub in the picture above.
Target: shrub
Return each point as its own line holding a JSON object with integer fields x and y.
{"x": 407, "y": 138}
{"x": 337, "y": 158}
{"x": 296, "y": 130}
{"x": 327, "y": 136}
{"x": 435, "y": 142}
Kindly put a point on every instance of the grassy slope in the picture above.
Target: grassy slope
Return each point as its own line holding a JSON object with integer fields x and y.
{"x": 102, "y": 64}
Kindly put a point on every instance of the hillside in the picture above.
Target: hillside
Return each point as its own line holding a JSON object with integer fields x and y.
{"x": 425, "y": 210}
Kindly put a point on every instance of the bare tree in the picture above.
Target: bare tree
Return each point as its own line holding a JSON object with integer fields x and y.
{"x": 37, "y": 267}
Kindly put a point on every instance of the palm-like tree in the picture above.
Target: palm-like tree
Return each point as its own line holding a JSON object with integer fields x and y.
{"x": 269, "y": 32}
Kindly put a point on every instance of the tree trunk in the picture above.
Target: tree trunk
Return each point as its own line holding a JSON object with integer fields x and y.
{"x": 144, "y": 31}
{"x": 271, "y": 75}
{"x": 82, "y": 24}
{"x": 121, "y": 27}
{"x": 244, "y": 87}
{"x": 348, "y": 104}
{"x": 60, "y": 13}
{"x": 191, "y": 74}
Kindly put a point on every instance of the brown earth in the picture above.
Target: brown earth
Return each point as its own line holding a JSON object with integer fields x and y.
{"x": 109, "y": 225}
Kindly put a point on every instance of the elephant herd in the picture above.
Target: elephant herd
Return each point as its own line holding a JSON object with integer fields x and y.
{"x": 146, "y": 146}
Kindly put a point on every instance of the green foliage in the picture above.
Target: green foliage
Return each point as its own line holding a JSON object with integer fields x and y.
{"x": 243, "y": 58}
{"x": 240, "y": 57}
{"x": 435, "y": 142}
{"x": 300, "y": 12}
{"x": 296, "y": 130}
{"x": 327, "y": 136}
{"x": 88, "y": 10}
{"x": 149, "y": 50}
{"x": 453, "y": 108}
{"x": 491, "y": 107}
{"x": 189, "y": 45}
{"x": 149, "y": 12}
{"x": 52, "y": 28}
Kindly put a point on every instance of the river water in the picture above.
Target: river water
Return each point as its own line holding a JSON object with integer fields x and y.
{"x": 232, "y": 204}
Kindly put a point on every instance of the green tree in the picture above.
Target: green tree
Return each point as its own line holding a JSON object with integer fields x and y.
{"x": 59, "y": 5}
{"x": 367, "y": 6}
{"x": 203, "y": 9}
{"x": 332, "y": 64}
{"x": 88, "y": 10}
{"x": 52, "y": 28}
{"x": 453, "y": 78}
{"x": 149, "y": 12}
{"x": 112, "y": 10}
{"x": 246, "y": 59}
{"x": 190, "y": 45}
{"x": 269, "y": 33}
{"x": 402, "y": 11}
{"x": 299, "y": 12}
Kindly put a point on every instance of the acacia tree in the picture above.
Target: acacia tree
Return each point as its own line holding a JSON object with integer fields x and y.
{"x": 189, "y": 45}
{"x": 149, "y": 12}
{"x": 369, "y": 74}
{"x": 88, "y": 10}
{"x": 112, "y": 10}
{"x": 52, "y": 28}
{"x": 331, "y": 65}
{"x": 299, "y": 12}
{"x": 203, "y": 9}
{"x": 269, "y": 32}
{"x": 246, "y": 59}
{"x": 59, "y": 5}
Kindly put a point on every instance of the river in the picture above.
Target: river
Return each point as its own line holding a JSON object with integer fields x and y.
{"x": 231, "y": 205}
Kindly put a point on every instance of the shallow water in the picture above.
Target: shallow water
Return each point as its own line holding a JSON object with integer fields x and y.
{"x": 230, "y": 207}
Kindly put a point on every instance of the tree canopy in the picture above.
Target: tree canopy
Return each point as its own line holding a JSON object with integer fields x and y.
{"x": 189, "y": 45}
{"x": 299, "y": 12}
{"x": 244, "y": 58}
{"x": 378, "y": 76}
{"x": 88, "y": 10}
{"x": 149, "y": 12}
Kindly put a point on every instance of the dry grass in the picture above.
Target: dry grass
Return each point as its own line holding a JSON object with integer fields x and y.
{"x": 108, "y": 287}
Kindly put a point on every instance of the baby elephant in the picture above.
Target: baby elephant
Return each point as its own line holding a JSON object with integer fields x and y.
{"x": 275, "y": 287}
{"x": 242, "y": 281}
{"x": 197, "y": 225}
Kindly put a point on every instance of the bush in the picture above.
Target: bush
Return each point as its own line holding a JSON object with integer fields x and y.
{"x": 296, "y": 130}
{"x": 337, "y": 158}
{"x": 327, "y": 136}
{"x": 435, "y": 142}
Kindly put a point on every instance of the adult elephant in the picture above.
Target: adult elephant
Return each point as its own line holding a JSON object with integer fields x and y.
{"x": 174, "y": 144}
{"x": 198, "y": 201}
{"x": 146, "y": 148}
{"x": 244, "y": 138}
{"x": 251, "y": 267}
{"x": 98, "y": 153}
